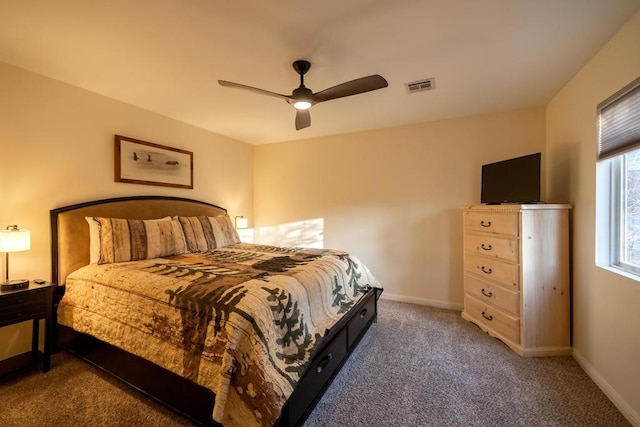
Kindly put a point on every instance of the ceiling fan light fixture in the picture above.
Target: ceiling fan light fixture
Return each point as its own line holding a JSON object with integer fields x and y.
{"x": 302, "y": 98}
{"x": 302, "y": 105}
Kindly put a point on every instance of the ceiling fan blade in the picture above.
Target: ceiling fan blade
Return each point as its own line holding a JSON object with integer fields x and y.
{"x": 252, "y": 89}
{"x": 353, "y": 87}
{"x": 303, "y": 119}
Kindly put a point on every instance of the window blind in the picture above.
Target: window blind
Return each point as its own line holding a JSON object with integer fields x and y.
{"x": 620, "y": 122}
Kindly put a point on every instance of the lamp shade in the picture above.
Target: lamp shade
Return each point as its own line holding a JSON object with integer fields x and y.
{"x": 14, "y": 240}
{"x": 242, "y": 222}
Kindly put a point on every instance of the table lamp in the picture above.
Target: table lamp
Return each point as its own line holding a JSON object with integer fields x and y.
{"x": 14, "y": 240}
{"x": 242, "y": 222}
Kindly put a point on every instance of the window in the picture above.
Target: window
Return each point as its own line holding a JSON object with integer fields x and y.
{"x": 618, "y": 181}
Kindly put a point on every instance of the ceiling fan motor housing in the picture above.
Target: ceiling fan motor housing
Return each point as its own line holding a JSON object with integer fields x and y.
{"x": 302, "y": 95}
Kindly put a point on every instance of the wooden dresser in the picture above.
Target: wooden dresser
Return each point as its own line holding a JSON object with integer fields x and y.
{"x": 516, "y": 275}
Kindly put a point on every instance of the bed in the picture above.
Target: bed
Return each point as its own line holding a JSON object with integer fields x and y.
{"x": 159, "y": 292}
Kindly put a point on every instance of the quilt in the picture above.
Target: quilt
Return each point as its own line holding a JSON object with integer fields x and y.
{"x": 243, "y": 320}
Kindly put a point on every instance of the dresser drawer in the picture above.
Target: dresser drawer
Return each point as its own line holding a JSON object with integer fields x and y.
{"x": 492, "y": 246}
{"x": 317, "y": 375}
{"x": 493, "y": 319}
{"x": 492, "y": 222}
{"x": 361, "y": 320}
{"x": 493, "y": 269}
{"x": 502, "y": 298}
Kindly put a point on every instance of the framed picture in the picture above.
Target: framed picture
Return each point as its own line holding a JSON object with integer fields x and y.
{"x": 141, "y": 162}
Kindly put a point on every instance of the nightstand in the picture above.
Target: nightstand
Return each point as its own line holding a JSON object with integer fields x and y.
{"x": 20, "y": 305}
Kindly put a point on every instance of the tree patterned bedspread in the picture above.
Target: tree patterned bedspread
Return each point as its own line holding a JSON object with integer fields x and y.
{"x": 242, "y": 320}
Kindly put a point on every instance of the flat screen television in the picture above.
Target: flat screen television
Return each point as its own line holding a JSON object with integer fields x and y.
{"x": 512, "y": 181}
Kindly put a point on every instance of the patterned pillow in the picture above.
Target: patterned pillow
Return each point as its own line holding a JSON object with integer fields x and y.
{"x": 94, "y": 237}
{"x": 205, "y": 233}
{"x": 198, "y": 233}
{"x": 224, "y": 231}
{"x": 134, "y": 239}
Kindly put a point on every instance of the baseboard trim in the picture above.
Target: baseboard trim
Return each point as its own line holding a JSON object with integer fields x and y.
{"x": 632, "y": 416}
{"x": 422, "y": 301}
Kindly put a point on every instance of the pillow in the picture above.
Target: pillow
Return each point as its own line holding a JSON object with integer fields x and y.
{"x": 94, "y": 237}
{"x": 134, "y": 239}
{"x": 205, "y": 233}
{"x": 198, "y": 233}
{"x": 224, "y": 231}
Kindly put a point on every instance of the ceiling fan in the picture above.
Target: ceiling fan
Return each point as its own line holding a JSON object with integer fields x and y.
{"x": 303, "y": 98}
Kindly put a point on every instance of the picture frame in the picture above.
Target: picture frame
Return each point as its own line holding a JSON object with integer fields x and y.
{"x": 143, "y": 162}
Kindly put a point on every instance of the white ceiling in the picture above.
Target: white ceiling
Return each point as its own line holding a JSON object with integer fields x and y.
{"x": 167, "y": 55}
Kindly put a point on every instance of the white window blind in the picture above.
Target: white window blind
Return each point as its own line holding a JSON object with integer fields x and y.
{"x": 620, "y": 122}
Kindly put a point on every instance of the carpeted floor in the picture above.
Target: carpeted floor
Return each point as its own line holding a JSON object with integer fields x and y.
{"x": 424, "y": 366}
{"x": 418, "y": 366}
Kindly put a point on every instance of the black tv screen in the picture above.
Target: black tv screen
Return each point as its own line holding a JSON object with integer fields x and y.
{"x": 512, "y": 181}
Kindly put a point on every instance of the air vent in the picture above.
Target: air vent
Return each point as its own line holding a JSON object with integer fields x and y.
{"x": 421, "y": 85}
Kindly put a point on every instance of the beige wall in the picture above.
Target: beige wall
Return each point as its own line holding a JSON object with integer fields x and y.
{"x": 606, "y": 314}
{"x": 392, "y": 196}
{"x": 56, "y": 148}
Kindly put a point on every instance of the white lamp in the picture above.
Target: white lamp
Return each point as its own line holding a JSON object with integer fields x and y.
{"x": 242, "y": 222}
{"x": 14, "y": 240}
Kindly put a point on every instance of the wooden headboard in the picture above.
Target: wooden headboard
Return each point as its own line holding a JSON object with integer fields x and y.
{"x": 70, "y": 231}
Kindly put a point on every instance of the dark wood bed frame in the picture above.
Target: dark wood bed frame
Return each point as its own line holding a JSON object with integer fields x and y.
{"x": 70, "y": 250}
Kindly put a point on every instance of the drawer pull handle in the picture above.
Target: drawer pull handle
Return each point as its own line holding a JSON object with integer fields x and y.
{"x": 486, "y": 248}
{"x": 485, "y": 224}
{"x": 486, "y": 294}
{"x": 363, "y": 313}
{"x": 486, "y": 270}
{"x": 487, "y": 316}
{"x": 323, "y": 363}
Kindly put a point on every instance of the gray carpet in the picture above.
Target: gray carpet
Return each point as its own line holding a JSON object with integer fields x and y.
{"x": 424, "y": 366}
{"x": 418, "y": 366}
